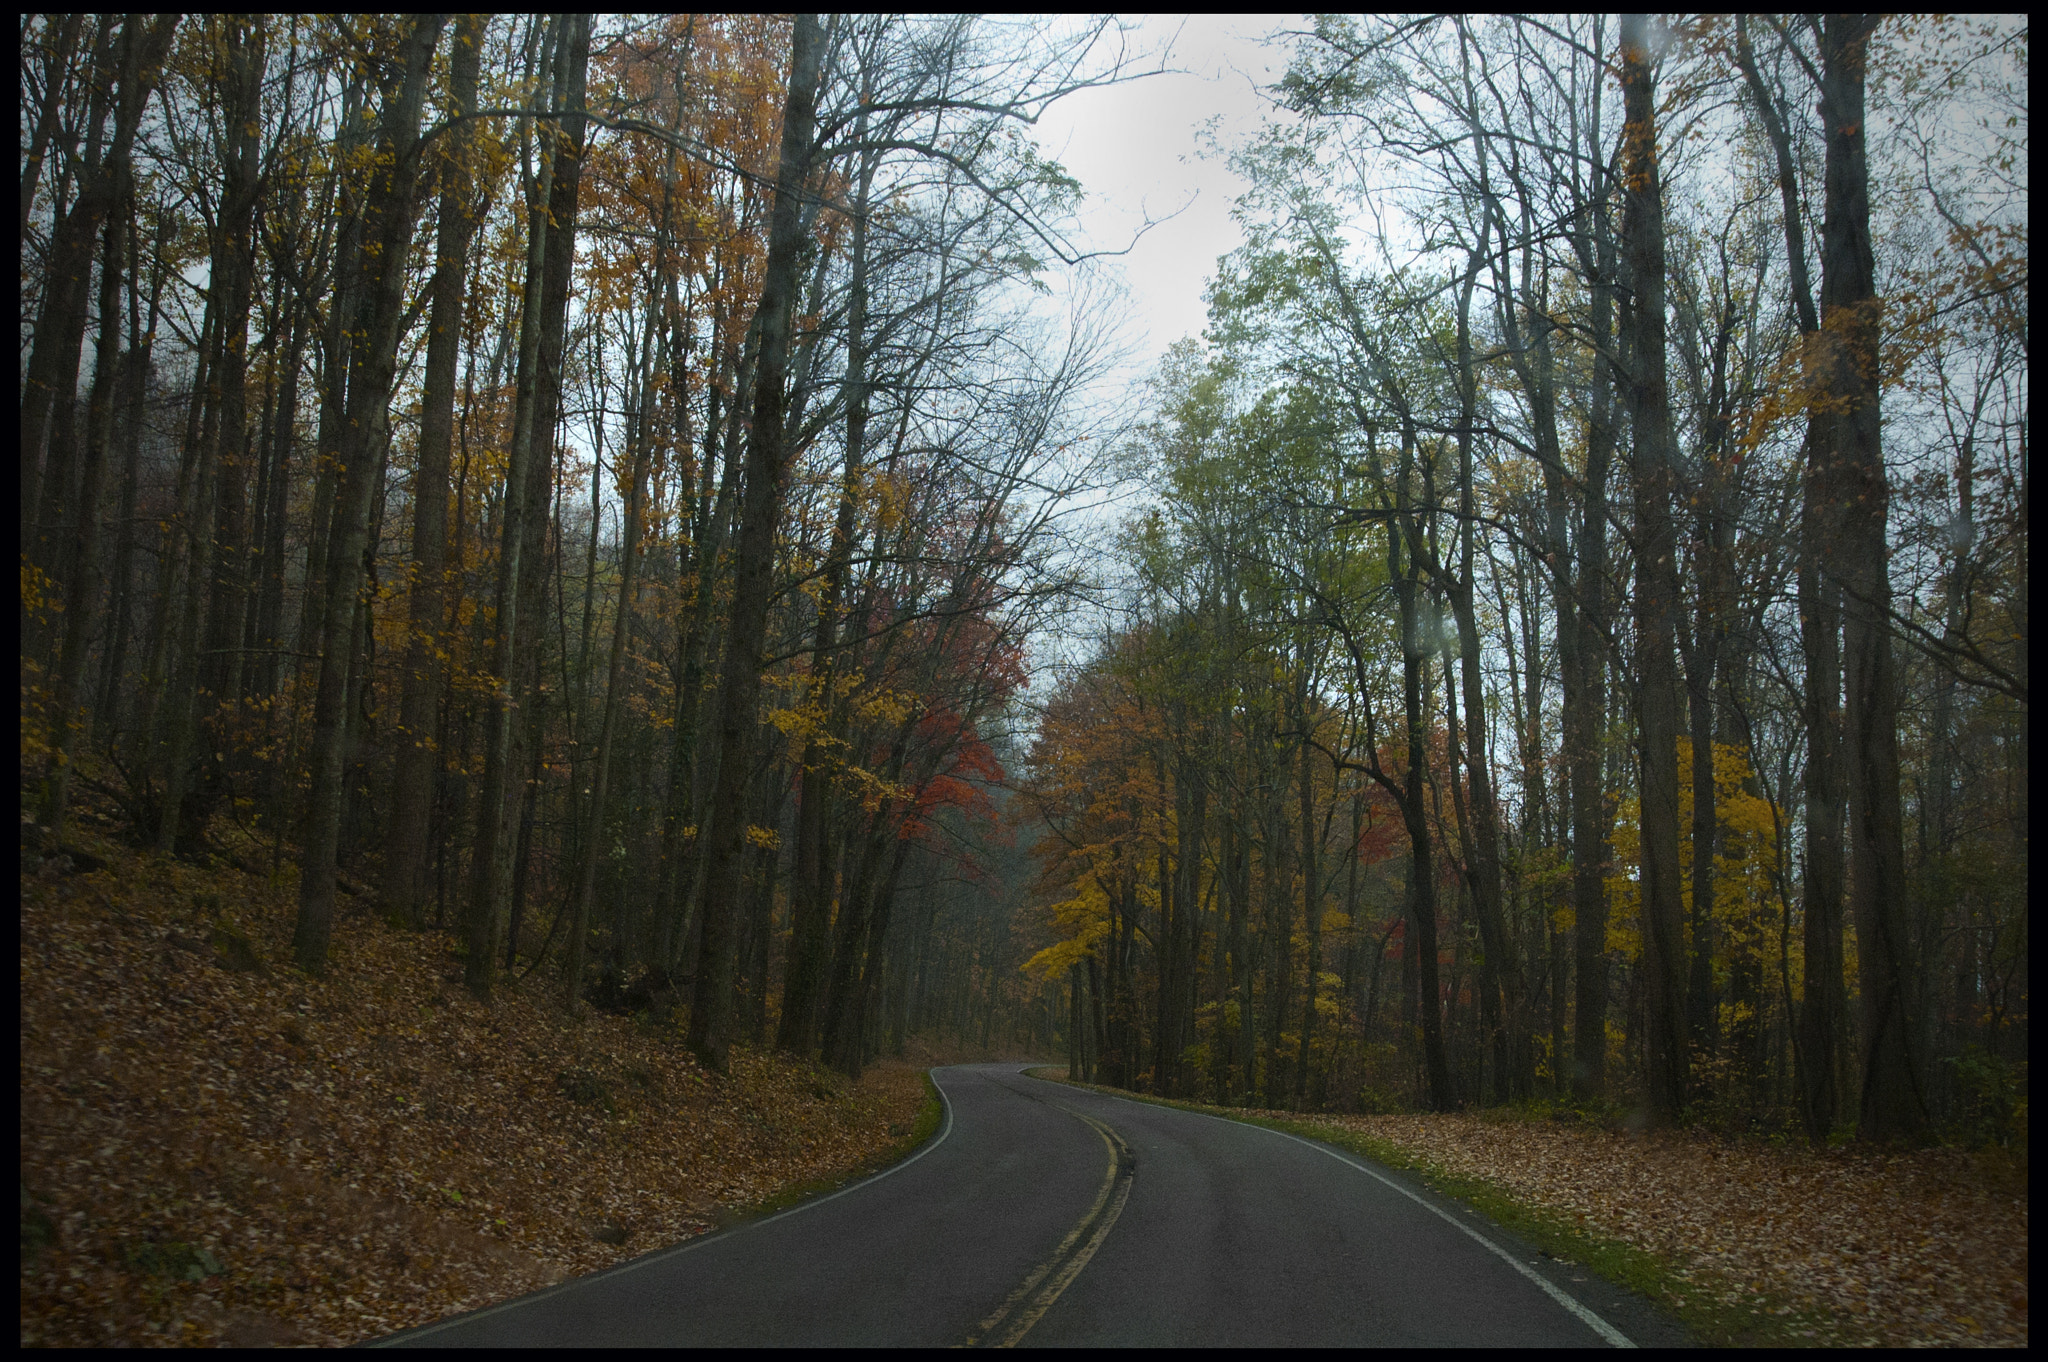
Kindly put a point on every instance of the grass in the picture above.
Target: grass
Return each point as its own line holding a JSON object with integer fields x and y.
{"x": 1697, "y": 1305}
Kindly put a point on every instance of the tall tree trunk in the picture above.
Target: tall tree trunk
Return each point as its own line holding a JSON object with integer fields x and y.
{"x": 1191, "y": 789}
{"x": 843, "y": 1001}
{"x": 710, "y": 1031}
{"x": 1502, "y": 986}
{"x": 1894, "y": 1106}
{"x": 1702, "y": 661}
{"x": 1656, "y": 596}
{"x": 141, "y": 342}
{"x": 529, "y": 476}
{"x": 682, "y": 837}
{"x": 50, "y": 383}
{"x": 1938, "y": 820}
{"x": 269, "y": 635}
{"x": 600, "y": 780}
{"x": 388, "y": 222}
{"x": 82, "y": 590}
{"x": 811, "y": 890}
{"x": 336, "y": 344}
{"x": 56, "y": 79}
{"x": 1235, "y": 1084}
{"x": 1823, "y": 1012}
{"x": 762, "y": 877}
{"x": 412, "y": 784}
{"x": 185, "y": 602}
{"x": 1312, "y": 905}
{"x": 181, "y": 546}
{"x": 1405, "y": 573}
{"x": 875, "y": 961}
{"x": 234, "y": 275}
{"x": 1279, "y": 955}
{"x": 1585, "y": 699}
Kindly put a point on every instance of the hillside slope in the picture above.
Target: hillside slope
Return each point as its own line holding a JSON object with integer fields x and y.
{"x": 216, "y": 1148}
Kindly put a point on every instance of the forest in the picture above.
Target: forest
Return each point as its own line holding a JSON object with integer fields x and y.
{"x": 655, "y": 501}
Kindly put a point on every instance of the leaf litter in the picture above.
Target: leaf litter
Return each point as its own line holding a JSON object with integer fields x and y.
{"x": 218, "y": 1149}
{"x": 1927, "y": 1248}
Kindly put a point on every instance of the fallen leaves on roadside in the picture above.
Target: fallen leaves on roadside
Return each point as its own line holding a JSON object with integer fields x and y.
{"x": 216, "y": 1148}
{"x": 1917, "y": 1248}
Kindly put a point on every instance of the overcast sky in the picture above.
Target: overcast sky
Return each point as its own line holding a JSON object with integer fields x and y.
{"x": 1137, "y": 149}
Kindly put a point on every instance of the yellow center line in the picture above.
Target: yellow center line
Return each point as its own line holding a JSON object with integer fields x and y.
{"x": 1058, "y": 1271}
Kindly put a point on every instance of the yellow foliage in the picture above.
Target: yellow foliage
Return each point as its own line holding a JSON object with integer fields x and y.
{"x": 1083, "y": 920}
{"x": 885, "y": 707}
{"x": 1742, "y": 862}
{"x": 799, "y": 724}
{"x": 39, "y": 595}
{"x": 871, "y": 789}
{"x": 1056, "y": 959}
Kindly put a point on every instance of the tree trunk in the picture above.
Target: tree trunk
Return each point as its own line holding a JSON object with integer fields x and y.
{"x": 710, "y": 1032}
{"x": 811, "y": 890}
{"x": 1585, "y": 696}
{"x": 593, "y": 838}
{"x": 56, "y": 77}
{"x": 1279, "y": 955}
{"x": 1894, "y": 1106}
{"x": 529, "y": 475}
{"x": 1312, "y": 908}
{"x": 1404, "y": 571}
{"x": 234, "y": 276}
{"x": 1191, "y": 789}
{"x": 336, "y": 344}
{"x": 141, "y": 342}
{"x": 1823, "y": 1012}
{"x": 388, "y": 222}
{"x": 82, "y": 590}
{"x": 1502, "y": 988}
{"x": 1702, "y": 665}
{"x": 412, "y": 784}
{"x": 124, "y": 71}
{"x": 1656, "y": 595}
{"x": 266, "y": 629}
{"x": 51, "y": 379}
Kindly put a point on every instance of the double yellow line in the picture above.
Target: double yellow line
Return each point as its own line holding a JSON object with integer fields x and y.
{"x": 1015, "y": 1316}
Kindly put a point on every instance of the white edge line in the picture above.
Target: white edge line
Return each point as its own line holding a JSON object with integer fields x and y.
{"x": 1598, "y": 1325}
{"x": 1614, "y": 1336}
{"x": 662, "y": 1255}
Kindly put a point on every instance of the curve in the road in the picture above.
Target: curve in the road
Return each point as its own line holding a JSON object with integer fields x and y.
{"x": 1006, "y": 1229}
{"x": 1000, "y": 1329}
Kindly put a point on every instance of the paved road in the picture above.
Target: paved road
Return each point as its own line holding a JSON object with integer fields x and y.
{"x": 1044, "y": 1215}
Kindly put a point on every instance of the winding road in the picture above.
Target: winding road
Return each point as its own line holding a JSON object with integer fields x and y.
{"x": 1043, "y": 1215}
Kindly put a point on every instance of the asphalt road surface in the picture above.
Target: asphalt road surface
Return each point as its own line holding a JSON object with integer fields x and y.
{"x": 1047, "y": 1216}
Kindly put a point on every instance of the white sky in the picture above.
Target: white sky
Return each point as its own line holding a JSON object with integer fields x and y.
{"x": 1138, "y": 149}
{"x": 1158, "y": 147}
